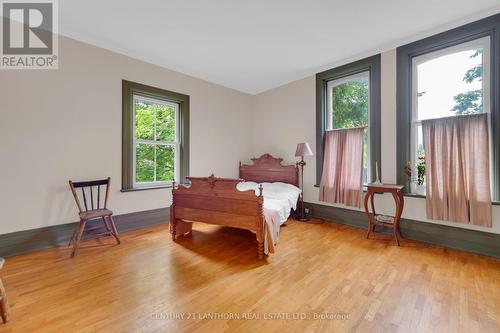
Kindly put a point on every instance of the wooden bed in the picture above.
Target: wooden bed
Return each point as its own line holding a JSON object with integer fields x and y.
{"x": 217, "y": 201}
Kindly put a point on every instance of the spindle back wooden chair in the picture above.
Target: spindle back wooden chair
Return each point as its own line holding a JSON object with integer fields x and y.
{"x": 92, "y": 210}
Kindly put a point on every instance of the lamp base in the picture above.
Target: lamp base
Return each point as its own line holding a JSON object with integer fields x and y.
{"x": 302, "y": 219}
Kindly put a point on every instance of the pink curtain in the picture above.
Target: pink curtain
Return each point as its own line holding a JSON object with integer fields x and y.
{"x": 341, "y": 181}
{"x": 458, "y": 169}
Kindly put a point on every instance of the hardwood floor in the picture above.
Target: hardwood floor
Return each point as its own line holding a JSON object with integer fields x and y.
{"x": 364, "y": 285}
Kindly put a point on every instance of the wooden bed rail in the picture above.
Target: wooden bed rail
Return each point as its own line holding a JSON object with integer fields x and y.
{"x": 217, "y": 201}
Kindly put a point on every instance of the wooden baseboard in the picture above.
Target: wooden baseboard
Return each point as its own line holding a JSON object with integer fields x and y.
{"x": 58, "y": 235}
{"x": 478, "y": 242}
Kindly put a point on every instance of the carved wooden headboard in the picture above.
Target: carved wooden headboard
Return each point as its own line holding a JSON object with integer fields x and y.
{"x": 269, "y": 169}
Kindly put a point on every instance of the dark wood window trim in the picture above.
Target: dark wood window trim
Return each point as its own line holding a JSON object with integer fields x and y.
{"x": 128, "y": 91}
{"x": 489, "y": 26}
{"x": 371, "y": 64}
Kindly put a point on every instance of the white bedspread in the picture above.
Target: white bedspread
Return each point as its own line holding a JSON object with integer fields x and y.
{"x": 279, "y": 200}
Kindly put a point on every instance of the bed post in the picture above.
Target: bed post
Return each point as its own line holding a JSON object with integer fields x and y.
{"x": 260, "y": 250}
{"x": 260, "y": 232}
{"x": 173, "y": 228}
{"x": 173, "y": 223}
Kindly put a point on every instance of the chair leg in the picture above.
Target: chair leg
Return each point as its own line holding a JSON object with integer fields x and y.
{"x": 72, "y": 239}
{"x": 113, "y": 227}
{"x": 78, "y": 237}
{"x": 4, "y": 304}
{"x": 106, "y": 225}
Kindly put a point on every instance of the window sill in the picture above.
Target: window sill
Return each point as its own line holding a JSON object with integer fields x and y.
{"x": 146, "y": 188}
{"x": 413, "y": 195}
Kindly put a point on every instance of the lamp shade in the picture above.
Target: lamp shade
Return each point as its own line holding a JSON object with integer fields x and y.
{"x": 303, "y": 149}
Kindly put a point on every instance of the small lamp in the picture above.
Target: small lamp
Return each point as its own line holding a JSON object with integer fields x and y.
{"x": 302, "y": 150}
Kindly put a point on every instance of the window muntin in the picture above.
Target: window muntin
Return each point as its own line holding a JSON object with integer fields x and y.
{"x": 348, "y": 103}
{"x": 450, "y": 82}
{"x": 155, "y": 142}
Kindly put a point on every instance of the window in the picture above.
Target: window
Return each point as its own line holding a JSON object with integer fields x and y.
{"x": 450, "y": 74}
{"x": 348, "y": 97}
{"x": 155, "y": 137}
{"x": 155, "y": 141}
{"x": 348, "y": 107}
{"x": 448, "y": 83}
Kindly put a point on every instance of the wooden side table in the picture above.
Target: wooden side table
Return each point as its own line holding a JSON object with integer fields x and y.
{"x": 375, "y": 219}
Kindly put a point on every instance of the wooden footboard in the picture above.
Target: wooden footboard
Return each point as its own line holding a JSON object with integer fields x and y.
{"x": 217, "y": 201}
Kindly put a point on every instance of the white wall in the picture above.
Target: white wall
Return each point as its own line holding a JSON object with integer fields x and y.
{"x": 286, "y": 115}
{"x": 65, "y": 124}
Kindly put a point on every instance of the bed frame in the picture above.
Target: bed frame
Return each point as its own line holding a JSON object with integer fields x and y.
{"x": 217, "y": 201}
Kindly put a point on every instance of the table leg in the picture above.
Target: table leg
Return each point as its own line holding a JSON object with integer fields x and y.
{"x": 395, "y": 232}
{"x": 399, "y": 209}
{"x": 402, "y": 204}
{"x": 367, "y": 211}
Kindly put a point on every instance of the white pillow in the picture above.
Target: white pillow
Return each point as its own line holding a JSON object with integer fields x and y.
{"x": 246, "y": 186}
{"x": 282, "y": 191}
{"x": 277, "y": 185}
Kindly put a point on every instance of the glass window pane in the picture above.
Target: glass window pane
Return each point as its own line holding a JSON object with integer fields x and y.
{"x": 144, "y": 120}
{"x": 165, "y": 161}
{"x": 165, "y": 123}
{"x": 350, "y": 102}
{"x": 418, "y": 175}
{"x": 450, "y": 85}
{"x": 145, "y": 163}
{"x": 420, "y": 142}
{"x": 420, "y": 158}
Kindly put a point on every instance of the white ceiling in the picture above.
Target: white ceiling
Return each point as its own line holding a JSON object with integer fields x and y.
{"x": 256, "y": 45}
